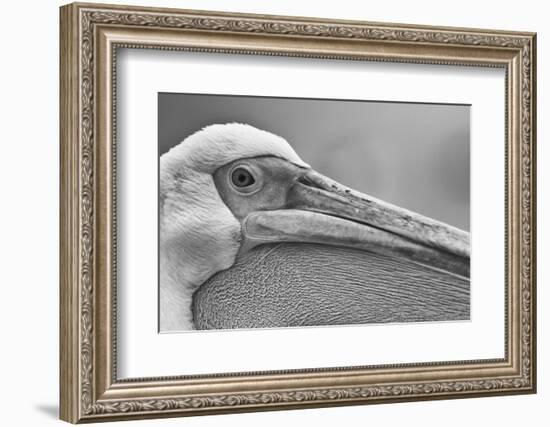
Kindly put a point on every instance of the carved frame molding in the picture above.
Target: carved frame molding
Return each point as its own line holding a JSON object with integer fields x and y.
{"x": 90, "y": 35}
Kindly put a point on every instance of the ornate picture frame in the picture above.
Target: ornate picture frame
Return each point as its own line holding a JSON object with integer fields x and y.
{"x": 90, "y": 37}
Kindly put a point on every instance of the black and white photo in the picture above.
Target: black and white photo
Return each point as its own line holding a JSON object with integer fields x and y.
{"x": 292, "y": 212}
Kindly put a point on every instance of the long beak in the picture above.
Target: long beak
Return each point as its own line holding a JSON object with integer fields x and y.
{"x": 321, "y": 211}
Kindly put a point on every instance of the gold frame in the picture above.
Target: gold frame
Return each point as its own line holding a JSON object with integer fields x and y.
{"x": 90, "y": 35}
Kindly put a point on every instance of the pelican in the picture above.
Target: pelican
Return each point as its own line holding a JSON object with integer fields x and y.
{"x": 232, "y": 193}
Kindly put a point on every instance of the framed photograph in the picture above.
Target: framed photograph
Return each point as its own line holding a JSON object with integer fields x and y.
{"x": 266, "y": 212}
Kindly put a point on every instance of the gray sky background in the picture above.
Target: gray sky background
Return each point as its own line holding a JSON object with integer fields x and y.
{"x": 416, "y": 156}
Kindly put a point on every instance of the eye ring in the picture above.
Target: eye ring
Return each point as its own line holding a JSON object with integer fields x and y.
{"x": 242, "y": 178}
{"x": 246, "y": 179}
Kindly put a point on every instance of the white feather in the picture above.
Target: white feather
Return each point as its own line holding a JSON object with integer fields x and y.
{"x": 217, "y": 145}
{"x": 198, "y": 237}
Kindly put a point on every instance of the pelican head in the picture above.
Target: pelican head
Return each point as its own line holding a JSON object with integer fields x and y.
{"x": 230, "y": 188}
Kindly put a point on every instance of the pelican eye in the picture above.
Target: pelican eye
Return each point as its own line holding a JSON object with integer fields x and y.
{"x": 242, "y": 178}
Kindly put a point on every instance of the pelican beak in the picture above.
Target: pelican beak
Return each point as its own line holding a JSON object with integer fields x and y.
{"x": 321, "y": 211}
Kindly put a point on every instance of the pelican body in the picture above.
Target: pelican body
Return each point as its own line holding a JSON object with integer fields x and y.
{"x": 236, "y": 201}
